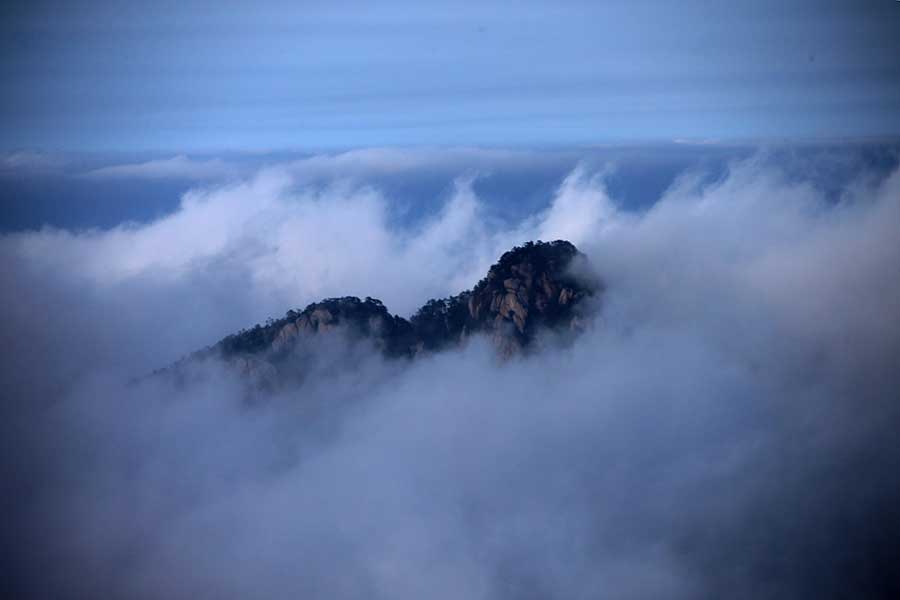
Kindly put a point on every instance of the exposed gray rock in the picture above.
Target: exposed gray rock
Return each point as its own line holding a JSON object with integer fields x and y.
{"x": 535, "y": 288}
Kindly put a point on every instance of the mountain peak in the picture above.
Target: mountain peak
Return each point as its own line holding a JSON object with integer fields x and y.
{"x": 539, "y": 285}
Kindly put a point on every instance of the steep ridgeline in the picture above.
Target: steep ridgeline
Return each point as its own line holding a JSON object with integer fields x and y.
{"x": 534, "y": 288}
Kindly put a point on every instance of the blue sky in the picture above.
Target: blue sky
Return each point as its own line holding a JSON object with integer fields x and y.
{"x": 203, "y": 76}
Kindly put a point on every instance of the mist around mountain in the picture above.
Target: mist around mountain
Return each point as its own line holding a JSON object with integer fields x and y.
{"x": 533, "y": 293}
{"x": 723, "y": 425}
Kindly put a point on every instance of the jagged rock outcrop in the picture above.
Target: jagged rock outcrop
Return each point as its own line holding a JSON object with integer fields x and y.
{"x": 531, "y": 288}
{"x": 367, "y": 319}
{"x": 535, "y": 288}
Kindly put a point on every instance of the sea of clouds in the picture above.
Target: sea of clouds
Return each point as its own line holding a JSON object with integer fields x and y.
{"x": 726, "y": 429}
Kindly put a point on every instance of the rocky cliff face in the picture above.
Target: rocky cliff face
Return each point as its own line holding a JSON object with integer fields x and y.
{"x": 532, "y": 288}
{"x": 535, "y": 289}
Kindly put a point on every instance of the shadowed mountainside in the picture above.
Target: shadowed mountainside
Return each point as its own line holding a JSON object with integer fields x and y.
{"x": 534, "y": 288}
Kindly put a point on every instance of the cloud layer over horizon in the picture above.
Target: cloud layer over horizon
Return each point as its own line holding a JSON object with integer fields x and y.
{"x": 726, "y": 428}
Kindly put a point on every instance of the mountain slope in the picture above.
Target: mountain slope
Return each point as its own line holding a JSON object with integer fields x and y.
{"x": 535, "y": 288}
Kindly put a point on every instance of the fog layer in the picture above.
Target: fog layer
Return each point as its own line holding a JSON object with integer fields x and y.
{"x": 726, "y": 428}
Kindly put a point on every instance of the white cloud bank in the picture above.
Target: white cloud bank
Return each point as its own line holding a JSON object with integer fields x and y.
{"x": 726, "y": 431}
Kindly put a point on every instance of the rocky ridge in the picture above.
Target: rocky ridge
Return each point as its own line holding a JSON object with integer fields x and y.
{"x": 534, "y": 288}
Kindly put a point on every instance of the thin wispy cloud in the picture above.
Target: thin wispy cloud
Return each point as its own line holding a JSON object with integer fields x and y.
{"x": 179, "y": 167}
{"x": 30, "y": 162}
